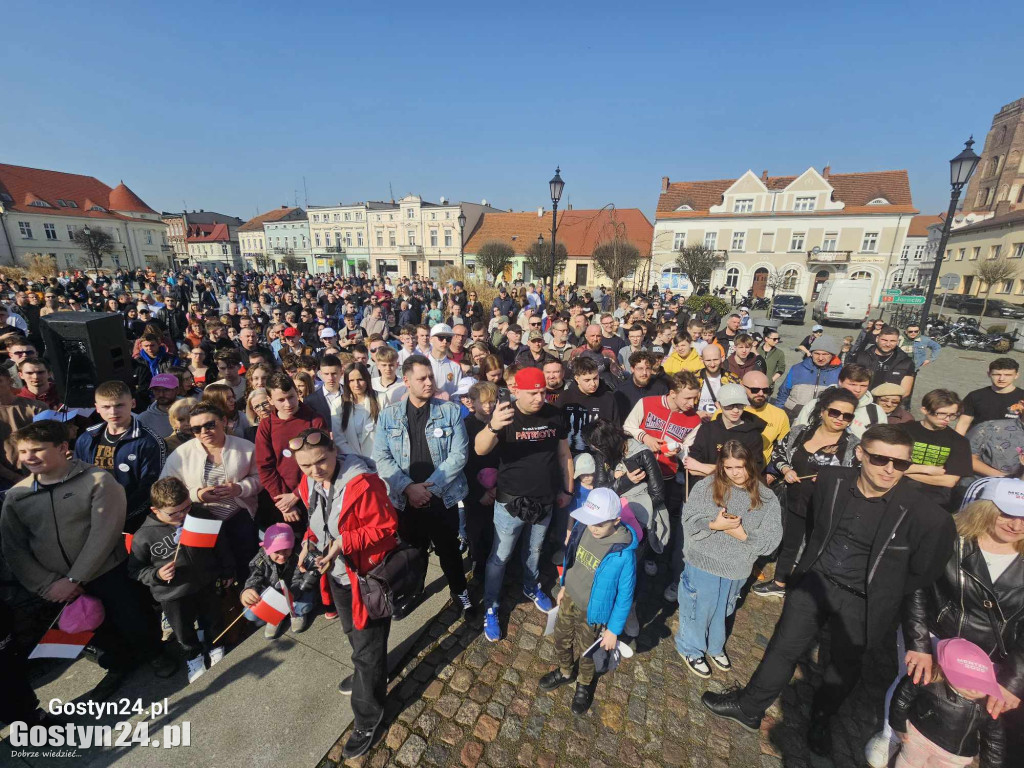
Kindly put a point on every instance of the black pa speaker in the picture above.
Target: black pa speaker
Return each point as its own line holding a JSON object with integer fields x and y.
{"x": 85, "y": 349}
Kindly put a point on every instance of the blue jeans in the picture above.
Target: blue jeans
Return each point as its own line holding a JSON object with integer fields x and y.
{"x": 705, "y": 601}
{"x": 303, "y": 604}
{"x": 507, "y": 530}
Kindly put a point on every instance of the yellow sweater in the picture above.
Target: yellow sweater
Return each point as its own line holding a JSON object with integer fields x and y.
{"x": 674, "y": 363}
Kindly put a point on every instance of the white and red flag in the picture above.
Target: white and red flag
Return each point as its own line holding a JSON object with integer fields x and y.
{"x": 272, "y": 607}
{"x": 199, "y": 532}
{"x": 57, "y": 644}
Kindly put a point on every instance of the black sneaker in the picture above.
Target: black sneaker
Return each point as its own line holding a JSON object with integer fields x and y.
{"x": 768, "y": 589}
{"x": 108, "y": 686}
{"x": 469, "y": 611}
{"x": 583, "y": 698}
{"x": 698, "y": 665}
{"x": 360, "y": 741}
{"x": 164, "y": 665}
{"x": 819, "y": 737}
{"x": 727, "y": 705}
{"x": 722, "y": 662}
{"x": 554, "y": 679}
{"x": 345, "y": 686}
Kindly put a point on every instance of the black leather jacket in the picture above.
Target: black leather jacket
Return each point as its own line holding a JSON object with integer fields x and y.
{"x": 963, "y": 602}
{"x": 644, "y": 458}
{"x": 949, "y": 720}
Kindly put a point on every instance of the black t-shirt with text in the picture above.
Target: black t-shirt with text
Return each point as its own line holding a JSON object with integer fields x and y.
{"x": 939, "y": 448}
{"x": 988, "y": 405}
{"x": 528, "y": 453}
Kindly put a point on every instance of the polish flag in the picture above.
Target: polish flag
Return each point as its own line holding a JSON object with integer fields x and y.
{"x": 272, "y": 607}
{"x": 200, "y": 532}
{"x": 57, "y": 644}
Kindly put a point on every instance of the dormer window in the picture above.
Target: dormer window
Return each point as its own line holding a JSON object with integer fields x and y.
{"x": 40, "y": 204}
{"x": 6, "y": 198}
{"x": 743, "y": 205}
{"x": 684, "y": 207}
{"x": 67, "y": 203}
{"x": 879, "y": 201}
{"x": 805, "y": 203}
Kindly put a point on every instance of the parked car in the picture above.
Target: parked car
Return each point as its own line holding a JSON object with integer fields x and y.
{"x": 995, "y": 308}
{"x": 788, "y": 308}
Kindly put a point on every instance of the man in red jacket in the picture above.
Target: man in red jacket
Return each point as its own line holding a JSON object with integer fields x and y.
{"x": 352, "y": 524}
{"x": 279, "y": 473}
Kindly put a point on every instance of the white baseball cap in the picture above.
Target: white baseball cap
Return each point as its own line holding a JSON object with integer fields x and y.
{"x": 327, "y": 332}
{"x": 602, "y": 505}
{"x": 441, "y": 329}
{"x": 1007, "y": 493}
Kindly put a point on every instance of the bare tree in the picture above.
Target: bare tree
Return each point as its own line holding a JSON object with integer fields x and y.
{"x": 294, "y": 263}
{"x": 698, "y": 263}
{"x": 494, "y": 256}
{"x": 96, "y": 244}
{"x": 538, "y": 257}
{"x": 617, "y": 258}
{"x": 993, "y": 272}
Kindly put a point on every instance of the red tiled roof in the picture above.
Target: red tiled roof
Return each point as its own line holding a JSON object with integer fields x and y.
{"x": 854, "y": 189}
{"x": 256, "y": 223}
{"x": 581, "y": 231}
{"x": 26, "y": 185}
{"x": 919, "y": 225}
{"x": 208, "y": 233}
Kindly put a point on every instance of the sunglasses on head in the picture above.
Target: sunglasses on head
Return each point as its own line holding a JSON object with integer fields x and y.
{"x": 313, "y": 438}
{"x": 835, "y": 413}
{"x": 877, "y": 459}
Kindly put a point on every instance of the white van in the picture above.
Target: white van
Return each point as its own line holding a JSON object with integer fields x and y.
{"x": 843, "y": 301}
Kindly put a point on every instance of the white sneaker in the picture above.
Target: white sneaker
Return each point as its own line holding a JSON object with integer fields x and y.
{"x": 650, "y": 568}
{"x": 196, "y": 668}
{"x": 671, "y": 593}
{"x": 881, "y": 748}
{"x": 216, "y": 654}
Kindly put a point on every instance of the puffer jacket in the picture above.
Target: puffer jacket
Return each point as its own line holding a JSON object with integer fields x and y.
{"x": 948, "y": 720}
{"x": 955, "y": 606}
{"x": 264, "y": 572}
{"x": 611, "y": 596}
{"x": 806, "y": 381}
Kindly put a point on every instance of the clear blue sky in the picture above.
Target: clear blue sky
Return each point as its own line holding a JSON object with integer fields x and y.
{"x": 227, "y": 105}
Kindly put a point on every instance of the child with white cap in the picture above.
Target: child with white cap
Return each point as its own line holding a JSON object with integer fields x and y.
{"x": 597, "y": 584}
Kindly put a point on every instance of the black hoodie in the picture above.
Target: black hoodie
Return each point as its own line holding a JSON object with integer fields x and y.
{"x": 712, "y": 435}
{"x": 581, "y": 409}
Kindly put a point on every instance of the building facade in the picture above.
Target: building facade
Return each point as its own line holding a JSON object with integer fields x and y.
{"x": 997, "y": 238}
{"x": 339, "y": 236}
{"x": 177, "y": 228}
{"x": 288, "y": 243}
{"x": 252, "y": 237}
{"x": 997, "y": 186}
{"x": 40, "y": 212}
{"x": 914, "y": 269}
{"x": 214, "y": 246}
{"x": 788, "y": 233}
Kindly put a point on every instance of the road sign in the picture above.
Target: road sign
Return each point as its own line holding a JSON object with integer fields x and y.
{"x": 888, "y": 299}
{"x": 912, "y": 300}
{"x": 892, "y": 292}
{"x": 949, "y": 282}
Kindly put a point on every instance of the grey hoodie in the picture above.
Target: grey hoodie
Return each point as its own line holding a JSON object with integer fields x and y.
{"x": 349, "y": 466}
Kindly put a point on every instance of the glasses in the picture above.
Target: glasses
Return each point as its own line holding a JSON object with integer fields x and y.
{"x": 206, "y": 426}
{"x": 18, "y": 354}
{"x": 729, "y": 407}
{"x": 943, "y": 416}
{"x": 313, "y": 438}
{"x": 758, "y": 390}
{"x": 900, "y": 465}
{"x": 535, "y": 324}
{"x": 261, "y": 406}
{"x": 835, "y": 413}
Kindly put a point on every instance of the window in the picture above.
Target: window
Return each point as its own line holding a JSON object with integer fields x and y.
{"x": 410, "y": 213}
{"x": 51, "y": 231}
{"x": 989, "y": 194}
{"x": 743, "y": 205}
{"x": 830, "y": 240}
{"x": 960, "y": 254}
{"x": 804, "y": 203}
{"x": 359, "y": 215}
{"x": 739, "y": 241}
{"x": 448, "y": 238}
{"x": 1007, "y": 286}
{"x": 433, "y": 238}
{"x": 1018, "y": 250}
{"x": 684, "y": 207}
{"x": 223, "y": 249}
{"x": 380, "y": 238}
{"x": 327, "y": 239}
{"x": 861, "y": 275}
{"x": 316, "y": 217}
{"x": 679, "y": 241}
{"x": 335, "y": 217}
{"x": 359, "y": 239}
{"x": 295, "y": 242}
{"x": 906, "y": 252}
{"x": 878, "y": 201}
{"x": 789, "y": 279}
{"x": 6, "y": 198}
{"x": 348, "y": 216}
{"x": 26, "y": 229}
{"x": 411, "y": 234}
{"x": 391, "y": 238}
{"x": 40, "y": 204}
{"x": 433, "y": 216}
{"x": 149, "y": 237}
{"x": 447, "y": 214}
{"x": 919, "y": 252}
{"x": 71, "y": 231}
{"x": 348, "y": 240}
{"x": 796, "y": 242}
{"x": 870, "y": 242}
{"x": 711, "y": 240}
{"x": 316, "y": 239}
{"x": 975, "y": 252}
{"x": 994, "y": 251}
{"x": 732, "y": 278}
{"x": 391, "y": 217}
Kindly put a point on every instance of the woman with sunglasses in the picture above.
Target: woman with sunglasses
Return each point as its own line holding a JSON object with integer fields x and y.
{"x": 219, "y": 471}
{"x": 979, "y": 597}
{"x": 825, "y": 441}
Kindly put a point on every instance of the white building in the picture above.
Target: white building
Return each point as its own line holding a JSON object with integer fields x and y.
{"x": 288, "y": 242}
{"x": 252, "y": 237}
{"x": 40, "y": 211}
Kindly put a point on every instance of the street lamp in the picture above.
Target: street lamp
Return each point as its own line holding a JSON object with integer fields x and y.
{"x": 961, "y": 168}
{"x": 555, "y": 185}
{"x": 462, "y": 239}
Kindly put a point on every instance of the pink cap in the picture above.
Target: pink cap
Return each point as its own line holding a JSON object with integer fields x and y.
{"x": 967, "y": 667}
{"x": 83, "y": 615}
{"x": 164, "y": 381}
{"x": 488, "y": 477}
{"x": 279, "y": 537}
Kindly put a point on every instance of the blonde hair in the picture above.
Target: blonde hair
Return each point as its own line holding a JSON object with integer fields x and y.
{"x": 977, "y": 519}
{"x": 178, "y": 412}
{"x": 250, "y": 412}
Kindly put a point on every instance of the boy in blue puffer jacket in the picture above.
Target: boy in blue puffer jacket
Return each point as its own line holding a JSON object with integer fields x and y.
{"x": 598, "y": 579}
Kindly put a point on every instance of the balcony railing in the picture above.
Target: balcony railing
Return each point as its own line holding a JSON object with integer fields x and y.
{"x": 818, "y": 256}
{"x": 283, "y": 251}
{"x": 335, "y": 249}
{"x": 410, "y": 250}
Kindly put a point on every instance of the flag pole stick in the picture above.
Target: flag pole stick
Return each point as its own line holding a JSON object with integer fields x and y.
{"x": 57, "y": 617}
{"x": 686, "y": 487}
{"x": 806, "y": 477}
{"x": 176, "y": 551}
{"x": 229, "y": 626}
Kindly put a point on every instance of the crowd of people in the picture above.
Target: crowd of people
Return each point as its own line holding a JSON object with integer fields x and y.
{"x": 322, "y": 423}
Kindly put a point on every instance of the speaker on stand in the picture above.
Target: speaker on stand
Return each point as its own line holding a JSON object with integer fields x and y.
{"x": 85, "y": 349}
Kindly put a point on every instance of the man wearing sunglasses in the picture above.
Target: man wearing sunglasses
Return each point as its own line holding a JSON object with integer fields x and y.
{"x": 875, "y": 540}
{"x": 776, "y": 421}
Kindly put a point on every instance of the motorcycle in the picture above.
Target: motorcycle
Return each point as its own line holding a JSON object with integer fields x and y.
{"x": 761, "y": 303}
{"x": 966, "y": 335}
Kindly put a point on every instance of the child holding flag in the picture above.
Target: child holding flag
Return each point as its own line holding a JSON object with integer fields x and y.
{"x": 179, "y": 556}
{"x": 275, "y": 564}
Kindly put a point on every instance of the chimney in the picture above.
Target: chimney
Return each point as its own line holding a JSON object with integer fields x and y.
{"x": 826, "y": 171}
{"x": 664, "y": 184}
{"x": 540, "y": 212}
{"x": 764, "y": 176}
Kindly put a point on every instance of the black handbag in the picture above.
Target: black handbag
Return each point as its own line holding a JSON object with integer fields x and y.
{"x": 529, "y": 509}
{"x": 397, "y": 580}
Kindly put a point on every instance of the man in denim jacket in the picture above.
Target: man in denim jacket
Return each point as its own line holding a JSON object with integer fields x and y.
{"x": 420, "y": 449}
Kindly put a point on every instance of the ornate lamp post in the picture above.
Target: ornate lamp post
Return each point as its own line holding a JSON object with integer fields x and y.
{"x": 961, "y": 168}
{"x": 462, "y": 239}
{"x": 555, "y": 185}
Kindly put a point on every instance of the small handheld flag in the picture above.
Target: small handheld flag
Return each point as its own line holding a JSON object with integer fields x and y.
{"x": 199, "y": 532}
{"x": 272, "y": 607}
{"x": 57, "y": 644}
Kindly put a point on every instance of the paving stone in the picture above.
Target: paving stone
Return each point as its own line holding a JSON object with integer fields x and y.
{"x": 470, "y": 754}
{"x": 449, "y": 733}
{"x": 412, "y": 711}
{"x": 468, "y": 713}
{"x": 411, "y": 751}
{"x": 480, "y": 693}
{"x": 461, "y": 680}
{"x": 433, "y": 691}
{"x": 427, "y": 723}
{"x": 498, "y": 756}
{"x": 396, "y": 736}
{"x": 447, "y": 705}
{"x": 486, "y": 728}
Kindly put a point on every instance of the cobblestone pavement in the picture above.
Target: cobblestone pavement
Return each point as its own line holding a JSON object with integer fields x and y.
{"x": 459, "y": 700}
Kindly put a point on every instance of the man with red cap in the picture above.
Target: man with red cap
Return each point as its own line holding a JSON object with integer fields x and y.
{"x": 535, "y": 472}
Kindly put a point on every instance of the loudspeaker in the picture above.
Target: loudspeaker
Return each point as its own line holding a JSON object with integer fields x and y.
{"x": 85, "y": 349}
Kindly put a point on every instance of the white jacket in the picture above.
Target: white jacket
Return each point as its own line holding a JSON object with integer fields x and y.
{"x": 239, "y": 456}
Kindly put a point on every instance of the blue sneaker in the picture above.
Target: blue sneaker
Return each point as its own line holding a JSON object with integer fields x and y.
{"x": 492, "y": 630}
{"x": 542, "y": 601}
